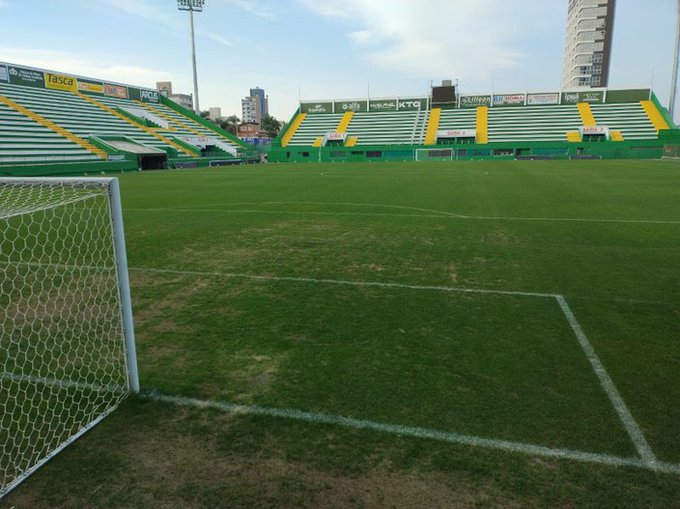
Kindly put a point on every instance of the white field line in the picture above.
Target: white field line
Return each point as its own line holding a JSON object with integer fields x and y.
{"x": 606, "y": 382}
{"x": 427, "y": 213}
{"x": 415, "y": 432}
{"x": 609, "y": 388}
{"x": 341, "y": 282}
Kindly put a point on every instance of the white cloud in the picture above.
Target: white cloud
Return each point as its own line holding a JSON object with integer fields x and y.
{"x": 219, "y": 38}
{"x": 438, "y": 38}
{"x": 256, "y": 8}
{"x": 86, "y": 66}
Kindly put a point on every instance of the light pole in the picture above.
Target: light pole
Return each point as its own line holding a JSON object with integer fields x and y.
{"x": 674, "y": 78}
{"x": 191, "y": 6}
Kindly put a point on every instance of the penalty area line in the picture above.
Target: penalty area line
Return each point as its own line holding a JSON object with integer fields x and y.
{"x": 411, "y": 431}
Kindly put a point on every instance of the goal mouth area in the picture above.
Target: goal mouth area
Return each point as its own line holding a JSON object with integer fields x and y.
{"x": 66, "y": 332}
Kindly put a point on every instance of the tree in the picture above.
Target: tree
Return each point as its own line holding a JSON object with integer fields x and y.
{"x": 205, "y": 114}
{"x": 271, "y": 126}
{"x": 230, "y": 124}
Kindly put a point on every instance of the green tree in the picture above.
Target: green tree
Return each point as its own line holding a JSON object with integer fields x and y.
{"x": 271, "y": 126}
{"x": 230, "y": 124}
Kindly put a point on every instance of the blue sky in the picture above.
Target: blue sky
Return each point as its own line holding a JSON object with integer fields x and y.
{"x": 329, "y": 49}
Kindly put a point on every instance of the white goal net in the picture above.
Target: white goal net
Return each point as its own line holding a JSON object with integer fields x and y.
{"x": 434, "y": 154}
{"x": 66, "y": 341}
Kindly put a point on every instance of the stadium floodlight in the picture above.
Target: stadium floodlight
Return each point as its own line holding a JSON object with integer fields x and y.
{"x": 676, "y": 54}
{"x": 67, "y": 346}
{"x": 191, "y": 6}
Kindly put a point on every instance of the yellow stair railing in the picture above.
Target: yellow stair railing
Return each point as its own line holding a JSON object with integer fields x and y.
{"x": 483, "y": 124}
{"x": 433, "y": 126}
{"x": 294, "y": 126}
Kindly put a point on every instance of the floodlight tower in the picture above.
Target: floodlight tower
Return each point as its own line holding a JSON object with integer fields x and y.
{"x": 191, "y": 6}
{"x": 674, "y": 79}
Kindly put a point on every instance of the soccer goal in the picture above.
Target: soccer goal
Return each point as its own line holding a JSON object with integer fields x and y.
{"x": 434, "y": 154}
{"x": 67, "y": 346}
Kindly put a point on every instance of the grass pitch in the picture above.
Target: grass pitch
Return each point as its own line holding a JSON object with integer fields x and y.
{"x": 315, "y": 311}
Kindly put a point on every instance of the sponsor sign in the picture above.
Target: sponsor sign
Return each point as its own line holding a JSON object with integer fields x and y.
{"x": 384, "y": 105}
{"x": 509, "y": 100}
{"x": 60, "y": 82}
{"x": 149, "y": 96}
{"x": 316, "y": 107}
{"x": 116, "y": 157}
{"x": 198, "y": 141}
{"x": 417, "y": 103}
{"x": 473, "y": 101}
{"x": 457, "y": 133}
{"x": 26, "y": 77}
{"x": 592, "y": 96}
{"x": 594, "y": 129}
{"x": 90, "y": 87}
{"x": 540, "y": 99}
{"x": 335, "y": 136}
{"x": 115, "y": 91}
{"x": 343, "y": 106}
{"x": 4, "y": 75}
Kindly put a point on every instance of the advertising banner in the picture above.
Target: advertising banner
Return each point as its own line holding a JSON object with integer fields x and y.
{"x": 335, "y": 136}
{"x": 198, "y": 141}
{"x": 149, "y": 96}
{"x": 343, "y": 106}
{"x": 594, "y": 129}
{"x": 473, "y": 101}
{"x": 26, "y": 77}
{"x": 384, "y": 105}
{"x": 90, "y": 87}
{"x": 316, "y": 107}
{"x": 115, "y": 91}
{"x": 457, "y": 133}
{"x": 509, "y": 100}
{"x": 60, "y": 82}
{"x": 4, "y": 75}
{"x": 541, "y": 99}
{"x": 418, "y": 103}
{"x": 591, "y": 96}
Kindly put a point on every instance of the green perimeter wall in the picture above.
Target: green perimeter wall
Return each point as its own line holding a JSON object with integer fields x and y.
{"x": 640, "y": 149}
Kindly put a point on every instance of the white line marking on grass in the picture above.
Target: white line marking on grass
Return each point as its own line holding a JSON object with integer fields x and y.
{"x": 609, "y": 388}
{"x": 415, "y": 432}
{"x": 342, "y": 282}
{"x": 431, "y": 213}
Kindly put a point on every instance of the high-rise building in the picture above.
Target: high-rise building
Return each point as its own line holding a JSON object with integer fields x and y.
{"x": 587, "y": 49}
{"x": 255, "y": 106}
{"x": 262, "y": 100}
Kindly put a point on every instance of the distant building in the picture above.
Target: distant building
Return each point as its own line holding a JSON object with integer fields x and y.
{"x": 214, "y": 113}
{"x": 255, "y": 107}
{"x": 165, "y": 88}
{"x": 587, "y": 49}
{"x": 250, "y": 130}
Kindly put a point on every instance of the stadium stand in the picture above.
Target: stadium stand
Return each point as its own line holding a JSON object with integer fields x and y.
{"x": 388, "y": 128}
{"x": 628, "y": 118}
{"x": 314, "y": 127}
{"x": 48, "y": 118}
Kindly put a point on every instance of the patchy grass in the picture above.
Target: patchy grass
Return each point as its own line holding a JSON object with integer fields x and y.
{"x": 499, "y": 367}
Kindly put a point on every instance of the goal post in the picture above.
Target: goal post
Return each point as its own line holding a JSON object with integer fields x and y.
{"x": 434, "y": 154}
{"x": 67, "y": 343}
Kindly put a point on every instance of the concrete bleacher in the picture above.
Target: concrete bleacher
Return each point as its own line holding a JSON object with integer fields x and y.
{"x": 533, "y": 123}
{"x": 313, "y": 127}
{"x": 388, "y": 128}
{"x": 458, "y": 119}
{"x": 78, "y": 115}
{"x": 23, "y": 140}
{"x": 628, "y": 118}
